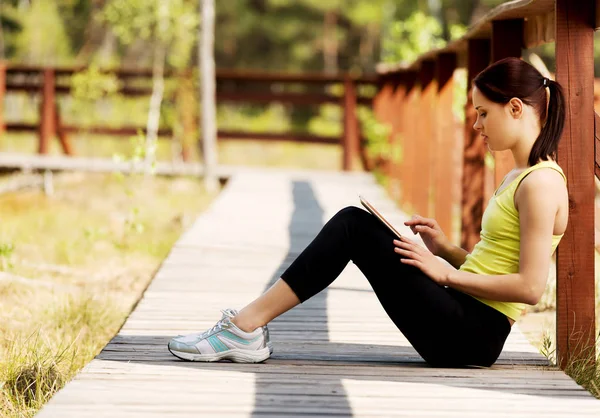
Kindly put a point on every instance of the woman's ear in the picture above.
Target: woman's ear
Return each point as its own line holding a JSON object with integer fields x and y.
{"x": 515, "y": 108}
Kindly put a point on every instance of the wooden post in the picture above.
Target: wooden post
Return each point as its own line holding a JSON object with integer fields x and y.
{"x": 424, "y": 139}
{"x": 63, "y": 137}
{"x": 473, "y": 177}
{"x": 47, "y": 108}
{"x": 2, "y": 92}
{"x": 409, "y": 165}
{"x": 575, "y": 322}
{"x": 507, "y": 41}
{"x": 445, "y": 143}
{"x": 398, "y": 141}
{"x": 384, "y": 112}
{"x": 351, "y": 137}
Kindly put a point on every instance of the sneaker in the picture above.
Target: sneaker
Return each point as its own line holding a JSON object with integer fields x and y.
{"x": 224, "y": 341}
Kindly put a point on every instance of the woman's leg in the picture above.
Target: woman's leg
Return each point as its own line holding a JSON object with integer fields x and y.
{"x": 278, "y": 299}
{"x": 438, "y": 322}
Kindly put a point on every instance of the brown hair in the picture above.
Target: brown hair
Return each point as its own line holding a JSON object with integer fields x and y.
{"x": 513, "y": 77}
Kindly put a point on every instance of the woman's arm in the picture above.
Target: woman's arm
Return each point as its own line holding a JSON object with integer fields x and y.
{"x": 456, "y": 256}
{"x": 537, "y": 200}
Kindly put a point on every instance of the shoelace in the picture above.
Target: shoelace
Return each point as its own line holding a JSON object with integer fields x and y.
{"x": 227, "y": 315}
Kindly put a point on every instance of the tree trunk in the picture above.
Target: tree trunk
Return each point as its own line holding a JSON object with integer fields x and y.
{"x": 330, "y": 43}
{"x": 158, "y": 87}
{"x": 208, "y": 89}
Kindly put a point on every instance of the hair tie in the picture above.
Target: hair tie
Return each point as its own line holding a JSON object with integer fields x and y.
{"x": 546, "y": 82}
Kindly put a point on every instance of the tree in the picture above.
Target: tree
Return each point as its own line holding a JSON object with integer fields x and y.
{"x": 209, "y": 113}
{"x": 169, "y": 26}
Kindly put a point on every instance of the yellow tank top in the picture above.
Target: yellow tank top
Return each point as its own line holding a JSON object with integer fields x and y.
{"x": 498, "y": 251}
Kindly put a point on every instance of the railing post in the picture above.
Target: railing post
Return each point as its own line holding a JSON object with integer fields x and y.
{"x": 575, "y": 317}
{"x": 47, "y": 117}
{"x": 473, "y": 173}
{"x": 2, "y": 93}
{"x": 423, "y": 187}
{"x": 62, "y": 134}
{"x": 397, "y": 139}
{"x": 507, "y": 41}
{"x": 351, "y": 134}
{"x": 384, "y": 110}
{"x": 411, "y": 134}
{"x": 446, "y": 145}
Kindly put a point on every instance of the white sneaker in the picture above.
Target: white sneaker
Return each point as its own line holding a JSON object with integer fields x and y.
{"x": 224, "y": 341}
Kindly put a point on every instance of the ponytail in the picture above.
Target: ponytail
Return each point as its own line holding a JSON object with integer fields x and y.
{"x": 546, "y": 143}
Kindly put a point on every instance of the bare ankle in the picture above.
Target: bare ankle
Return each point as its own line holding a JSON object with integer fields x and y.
{"x": 243, "y": 325}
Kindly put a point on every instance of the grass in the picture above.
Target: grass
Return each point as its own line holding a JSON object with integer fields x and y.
{"x": 72, "y": 265}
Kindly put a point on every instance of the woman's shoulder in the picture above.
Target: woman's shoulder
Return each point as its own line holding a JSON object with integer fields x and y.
{"x": 543, "y": 181}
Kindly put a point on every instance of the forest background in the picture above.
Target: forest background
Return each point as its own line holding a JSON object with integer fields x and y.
{"x": 255, "y": 35}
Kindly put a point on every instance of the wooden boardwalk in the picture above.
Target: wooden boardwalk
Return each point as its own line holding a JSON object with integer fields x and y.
{"x": 323, "y": 363}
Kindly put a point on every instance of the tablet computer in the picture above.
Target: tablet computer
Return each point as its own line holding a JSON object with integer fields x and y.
{"x": 379, "y": 216}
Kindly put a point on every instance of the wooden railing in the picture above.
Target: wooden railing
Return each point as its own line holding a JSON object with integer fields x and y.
{"x": 416, "y": 101}
{"x": 232, "y": 87}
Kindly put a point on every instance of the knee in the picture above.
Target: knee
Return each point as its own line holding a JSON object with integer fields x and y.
{"x": 350, "y": 213}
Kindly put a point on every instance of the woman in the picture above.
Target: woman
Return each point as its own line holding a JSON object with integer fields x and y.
{"x": 452, "y": 315}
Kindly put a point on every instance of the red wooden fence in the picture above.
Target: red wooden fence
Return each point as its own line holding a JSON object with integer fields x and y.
{"x": 246, "y": 91}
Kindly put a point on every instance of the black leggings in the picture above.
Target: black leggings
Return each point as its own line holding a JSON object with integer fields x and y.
{"x": 448, "y": 328}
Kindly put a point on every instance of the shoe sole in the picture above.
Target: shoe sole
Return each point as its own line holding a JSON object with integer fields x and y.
{"x": 235, "y": 355}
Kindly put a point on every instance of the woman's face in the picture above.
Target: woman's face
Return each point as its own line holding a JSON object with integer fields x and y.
{"x": 497, "y": 123}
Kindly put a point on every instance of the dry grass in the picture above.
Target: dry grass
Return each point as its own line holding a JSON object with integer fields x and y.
{"x": 71, "y": 267}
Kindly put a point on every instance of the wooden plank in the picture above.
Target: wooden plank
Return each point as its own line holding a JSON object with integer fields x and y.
{"x": 409, "y": 160}
{"x": 575, "y": 322}
{"x": 507, "y": 41}
{"x": 350, "y": 124}
{"x": 597, "y": 146}
{"x": 384, "y": 111}
{"x": 426, "y": 132}
{"x": 2, "y": 94}
{"x": 283, "y": 136}
{"x": 473, "y": 177}
{"x": 539, "y": 29}
{"x": 445, "y": 145}
{"x": 47, "y": 128}
{"x": 398, "y": 137}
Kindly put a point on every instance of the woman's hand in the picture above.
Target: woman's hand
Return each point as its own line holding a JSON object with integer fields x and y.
{"x": 415, "y": 255}
{"x": 432, "y": 235}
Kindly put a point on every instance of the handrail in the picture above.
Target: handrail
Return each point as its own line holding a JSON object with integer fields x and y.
{"x": 48, "y": 86}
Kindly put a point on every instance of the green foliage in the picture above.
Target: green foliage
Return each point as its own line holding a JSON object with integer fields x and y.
{"x": 408, "y": 39}
{"x": 43, "y": 39}
{"x": 378, "y": 135}
{"x": 91, "y": 84}
{"x": 6, "y": 251}
{"x": 173, "y": 24}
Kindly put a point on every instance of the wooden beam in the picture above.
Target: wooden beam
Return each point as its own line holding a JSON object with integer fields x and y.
{"x": 409, "y": 168}
{"x": 397, "y": 139}
{"x": 575, "y": 322}
{"x": 539, "y": 29}
{"x": 507, "y": 41}
{"x": 47, "y": 127}
{"x": 350, "y": 121}
{"x": 424, "y": 139}
{"x": 383, "y": 109}
{"x": 2, "y": 93}
{"x": 445, "y": 143}
{"x": 473, "y": 173}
